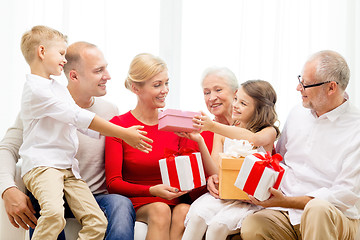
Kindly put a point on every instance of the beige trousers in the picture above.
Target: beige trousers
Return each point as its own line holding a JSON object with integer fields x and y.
{"x": 320, "y": 221}
{"x": 48, "y": 185}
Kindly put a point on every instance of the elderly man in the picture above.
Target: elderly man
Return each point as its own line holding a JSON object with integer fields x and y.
{"x": 320, "y": 197}
{"x": 87, "y": 75}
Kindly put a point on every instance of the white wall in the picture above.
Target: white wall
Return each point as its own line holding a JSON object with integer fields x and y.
{"x": 257, "y": 39}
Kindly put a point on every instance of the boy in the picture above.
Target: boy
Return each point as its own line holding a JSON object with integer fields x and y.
{"x": 50, "y": 117}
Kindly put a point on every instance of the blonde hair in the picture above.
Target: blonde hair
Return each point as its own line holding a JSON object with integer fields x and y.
{"x": 37, "y": 36}
{"x": 265, "y": 98}
{"x": 143, "y": 67}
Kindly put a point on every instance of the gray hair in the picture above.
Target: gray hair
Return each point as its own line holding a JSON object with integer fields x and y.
{"x": 331, "y": 66}
{"x": 224, "y": 73}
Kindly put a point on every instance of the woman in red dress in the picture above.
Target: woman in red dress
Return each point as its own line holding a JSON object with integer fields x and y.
{"x": 135, "y": 174}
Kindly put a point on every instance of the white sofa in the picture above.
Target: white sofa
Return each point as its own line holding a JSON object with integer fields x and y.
{"x": 9, "y": 232}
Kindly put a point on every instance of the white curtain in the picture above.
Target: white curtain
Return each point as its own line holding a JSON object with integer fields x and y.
{"x": 257, "y": 39}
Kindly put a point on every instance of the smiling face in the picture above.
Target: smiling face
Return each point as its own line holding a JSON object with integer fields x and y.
{"x": 315, "y": 97}
{"x": 92, "y": 72}
{"x": 154, "y": 91}
{"x": 218, "y": 95}
{"x": 54, "y": 57}
{"x": 243, "y": 107}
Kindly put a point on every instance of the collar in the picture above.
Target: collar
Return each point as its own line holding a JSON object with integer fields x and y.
{"x": 334, "y": 114}
{"x": 38, "y": 78}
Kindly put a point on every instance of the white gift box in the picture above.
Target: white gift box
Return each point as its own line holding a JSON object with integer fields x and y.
{"x": 256, "y": 178}
{"x": 183, "y": 172}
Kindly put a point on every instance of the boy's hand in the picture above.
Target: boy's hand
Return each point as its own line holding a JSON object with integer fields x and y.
{"x": 203, "y": 122}
{"x": 136, "y": 138}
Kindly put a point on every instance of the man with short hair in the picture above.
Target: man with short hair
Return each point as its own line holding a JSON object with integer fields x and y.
{"x": 87, "y": 76}
{"x": 320, "y": 144}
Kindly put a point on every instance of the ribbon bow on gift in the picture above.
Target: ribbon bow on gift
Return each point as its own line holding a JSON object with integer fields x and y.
{"x": 270, "y": 161}
{"x": 170, "y": 156}
{"x": 182, "y": 151}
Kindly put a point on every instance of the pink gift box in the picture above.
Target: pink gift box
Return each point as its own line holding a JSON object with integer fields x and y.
{"x": 184, "y": 172}
{"x": 258, "y": 173}
{"x": 172, "y": 120}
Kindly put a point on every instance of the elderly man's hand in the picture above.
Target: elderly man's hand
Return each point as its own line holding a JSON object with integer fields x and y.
{"x": 276, "y": 200}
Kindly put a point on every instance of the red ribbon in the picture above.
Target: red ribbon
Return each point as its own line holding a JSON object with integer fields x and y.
{"x": 171, "y": 166}
{"x": 259, "y": 168}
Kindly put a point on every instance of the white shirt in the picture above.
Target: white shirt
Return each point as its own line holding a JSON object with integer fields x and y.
{"x": 50, "y": 119}
{"x": 323, "y": 156}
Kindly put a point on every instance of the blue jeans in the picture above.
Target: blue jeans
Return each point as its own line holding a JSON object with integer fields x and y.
{"x": 118, "y": 210}
{"x": 120, "y": 214}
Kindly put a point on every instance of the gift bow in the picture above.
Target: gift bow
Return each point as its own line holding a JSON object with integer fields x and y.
{"x": 239, "y": 148}
{"x": 182, "y": 151}
{"x": 171, "y": 166}
{"x": 270, "y": 161}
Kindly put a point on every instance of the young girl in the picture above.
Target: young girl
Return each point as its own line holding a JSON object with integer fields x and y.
{"x": 255, "y": 116}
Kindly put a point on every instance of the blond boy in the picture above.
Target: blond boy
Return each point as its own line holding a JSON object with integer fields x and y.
{"x": 51, "y": 118}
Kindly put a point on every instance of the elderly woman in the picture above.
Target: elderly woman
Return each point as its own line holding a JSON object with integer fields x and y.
{"x": 135, "y": 174}
{"x": 219, "y": 86}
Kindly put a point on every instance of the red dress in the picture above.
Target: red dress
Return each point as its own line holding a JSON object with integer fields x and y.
{"x": 130, "y": 172}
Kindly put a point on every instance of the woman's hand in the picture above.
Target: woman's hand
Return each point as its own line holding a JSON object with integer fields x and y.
{"x": 195, "y": 136}
{"x": 137, "y": 139}
{"x": 213, "y": 185}
{"x": 165, "y": 191}
{"x": 203, "y": 122}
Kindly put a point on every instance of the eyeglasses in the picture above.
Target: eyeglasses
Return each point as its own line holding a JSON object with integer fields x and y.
{"x": 311, "y": 85}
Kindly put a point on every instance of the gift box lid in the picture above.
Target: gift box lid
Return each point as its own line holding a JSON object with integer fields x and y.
{"x": 177, "y": 113}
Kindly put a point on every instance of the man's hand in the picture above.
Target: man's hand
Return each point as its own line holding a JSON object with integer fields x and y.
{"x": 213, "y": 185}
{"x": 19, "y": 209}
{"x": 278, "y": 199}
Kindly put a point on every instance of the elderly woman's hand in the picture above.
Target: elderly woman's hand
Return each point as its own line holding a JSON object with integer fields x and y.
{"x": 165, "y": 191}
{"x": 195, "y": 136}
{"x": 203, "y": 122}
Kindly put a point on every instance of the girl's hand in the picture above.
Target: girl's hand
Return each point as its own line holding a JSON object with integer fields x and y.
{"x": 213, "y": 185}
{"x": 165, "y": 191}
{"x": 136, "y": 139}
{"x": 203, "y": 122}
